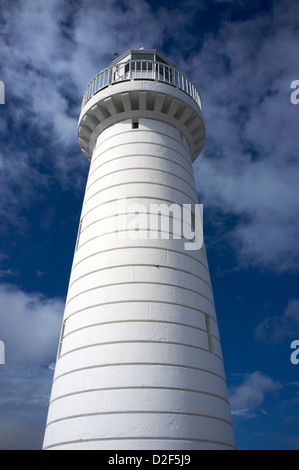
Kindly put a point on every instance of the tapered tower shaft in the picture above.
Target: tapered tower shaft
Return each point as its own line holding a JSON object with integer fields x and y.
{"x": 139, "y": 364}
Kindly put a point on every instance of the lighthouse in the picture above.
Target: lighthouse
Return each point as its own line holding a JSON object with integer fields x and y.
{"x": 139, "y": 362}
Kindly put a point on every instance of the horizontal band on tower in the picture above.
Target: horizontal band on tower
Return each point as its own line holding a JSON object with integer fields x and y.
{"x": 116, "y": 322}
{"x": 147, "y": 301}
{"x": 138, "y": 283}
{"x": 141, "y": 169}
{"x": 105, "y": 236}
{"x": 121, "y": 214}
{"x": 115, "y": 248}
{"x": 124, "y": 364}
{"x": 139, "y": 412}
{"x": 137, "y": 142}
{"x": 143, "y": 438}
{"x": 79, "y": 392}
{"x": 133, "y": 265}
{"x": 130, "y": 183}
{"x": 145, "y": 341}
{"x": 133, "y": 155}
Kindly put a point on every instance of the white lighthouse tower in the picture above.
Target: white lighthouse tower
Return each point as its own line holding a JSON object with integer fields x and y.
{"x": 139, "y": 363}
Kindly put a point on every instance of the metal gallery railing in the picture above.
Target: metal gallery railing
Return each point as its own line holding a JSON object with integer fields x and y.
{"x": 141, "y": 69}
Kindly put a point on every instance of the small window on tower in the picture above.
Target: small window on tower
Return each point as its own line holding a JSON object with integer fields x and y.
{"x": 135, "y": 123}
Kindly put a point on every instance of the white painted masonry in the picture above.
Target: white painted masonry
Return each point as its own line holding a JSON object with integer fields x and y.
{"x": 139, "y": 363}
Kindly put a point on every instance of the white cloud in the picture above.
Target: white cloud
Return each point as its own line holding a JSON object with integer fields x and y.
{"x": 50, "y": 51}
{"x": 277, "y": 328}
{"x": 250, "y": 166}
{"x": 53, "y": 49}
{"x": 29, "y": 326}
{"x": 247, "y": 398}
{"x": 24, "y": 403}
{"x": 35, "y": 57}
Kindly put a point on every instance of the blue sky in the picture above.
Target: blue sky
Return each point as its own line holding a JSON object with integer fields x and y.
{"x": 242, "y": 56}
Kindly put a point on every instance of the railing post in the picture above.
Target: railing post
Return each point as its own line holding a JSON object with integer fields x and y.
{"x": 142, "y": 69}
